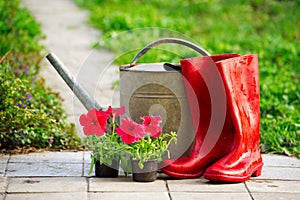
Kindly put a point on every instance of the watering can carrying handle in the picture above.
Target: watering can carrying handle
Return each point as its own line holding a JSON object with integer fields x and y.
{"x": 168, "y": 40}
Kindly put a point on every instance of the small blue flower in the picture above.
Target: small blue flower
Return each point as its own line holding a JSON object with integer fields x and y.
{"x": 29, "y": 96}
{"x": 16, "y": 72}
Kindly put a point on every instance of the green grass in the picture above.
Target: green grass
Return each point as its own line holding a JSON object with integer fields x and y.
{"x": 31, "y": 115}
{"x": 268, "y": 28}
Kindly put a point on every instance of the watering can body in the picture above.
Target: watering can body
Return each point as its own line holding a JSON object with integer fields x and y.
{"x": 156, "y": 89}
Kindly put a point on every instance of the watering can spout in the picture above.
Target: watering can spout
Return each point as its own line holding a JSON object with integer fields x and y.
{"x": 85, "y": 98}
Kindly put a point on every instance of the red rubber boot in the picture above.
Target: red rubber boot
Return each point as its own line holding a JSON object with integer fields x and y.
{"x": 211, "y": 120}
{"x": 241, "y": 79}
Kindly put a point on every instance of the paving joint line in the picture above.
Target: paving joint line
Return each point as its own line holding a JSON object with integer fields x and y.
{"x": 168, "y": 189}
{"x": 83, "y": 160}
{"x": 6, "y": 167}
{"x": 6, "y": 177}
{"x": 87, "y": 184}
{"x": 248, "y": 190}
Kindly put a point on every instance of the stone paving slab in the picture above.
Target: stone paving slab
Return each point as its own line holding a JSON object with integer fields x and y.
{"x": 279, "y": 173}
{"x": 3, "y": 184}
{"x": 273, "y": 186}
{"x": 276, "y": 196}
{"x": 3, "y": 163}
{"x": 130, "y": 196}
{"x": 47, "y": 185}
{"x": 44, "y": 169}
{"x": 202, "y": 185}
{"x": 49, "y": 157}
{"x": 218, "y": 196}
{"x": 2, "y": 169}
{"x": 125, "y": 184}
{"x": 272, "y": 160}
{"x": 48, "y": 196}
{"x": 87, "y": 156}
{"x": 3, "y": 158}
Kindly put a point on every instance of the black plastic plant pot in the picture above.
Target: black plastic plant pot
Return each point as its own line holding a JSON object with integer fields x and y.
{"x": 147, "y": 174}
{"x": 106, "y": 171}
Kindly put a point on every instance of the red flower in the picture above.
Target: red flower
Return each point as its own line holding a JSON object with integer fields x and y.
{"x": 130, "y": 131}
{"x": 152, "y": 125}
{"x": 94, "y": 122}
{"x": 115, "y": 112}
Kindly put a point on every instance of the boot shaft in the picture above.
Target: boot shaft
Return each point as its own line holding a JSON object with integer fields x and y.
{"x": 209, "y": 110}
{"x": 204, "y": 87}
{"x": 241, "y": 78}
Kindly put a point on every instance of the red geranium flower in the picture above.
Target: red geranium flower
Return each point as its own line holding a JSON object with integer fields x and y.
{"x": 94, "y": 122}
{"x": 130, "y": 131}
{"x": 152, "y": 125}
{"x": 115, "y": 112}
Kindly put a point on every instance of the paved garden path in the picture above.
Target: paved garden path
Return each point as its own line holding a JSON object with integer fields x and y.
{"x": 70, "y": 38}
{"x": 64, "y": 175}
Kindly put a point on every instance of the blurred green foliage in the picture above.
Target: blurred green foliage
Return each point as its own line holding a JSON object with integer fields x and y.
{"x": 269, "y": 28}
{"x": 31, "y": 115}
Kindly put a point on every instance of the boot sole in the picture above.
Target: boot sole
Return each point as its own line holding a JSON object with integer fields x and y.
{"x": 179, "y": 175}
{"x": 234, "y": 179}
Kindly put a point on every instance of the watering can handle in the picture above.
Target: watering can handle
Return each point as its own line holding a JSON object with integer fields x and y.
{"x": 168, "y": 40}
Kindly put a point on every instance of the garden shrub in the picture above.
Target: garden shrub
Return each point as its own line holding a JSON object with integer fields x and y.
{"x": 31, "y": 115}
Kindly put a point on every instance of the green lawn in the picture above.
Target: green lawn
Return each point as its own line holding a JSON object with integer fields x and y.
{"x": 268, "y": 28}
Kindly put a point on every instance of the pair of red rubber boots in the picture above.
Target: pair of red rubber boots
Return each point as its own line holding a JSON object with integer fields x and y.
{"x": 223, "y": 95}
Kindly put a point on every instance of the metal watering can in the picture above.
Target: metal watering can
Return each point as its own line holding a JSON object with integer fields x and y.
{"x": 150, "y": 88}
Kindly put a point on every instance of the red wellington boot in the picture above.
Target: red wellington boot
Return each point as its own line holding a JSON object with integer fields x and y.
{"x": 211, "y": 120}
{"x": 241, "y": 79}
